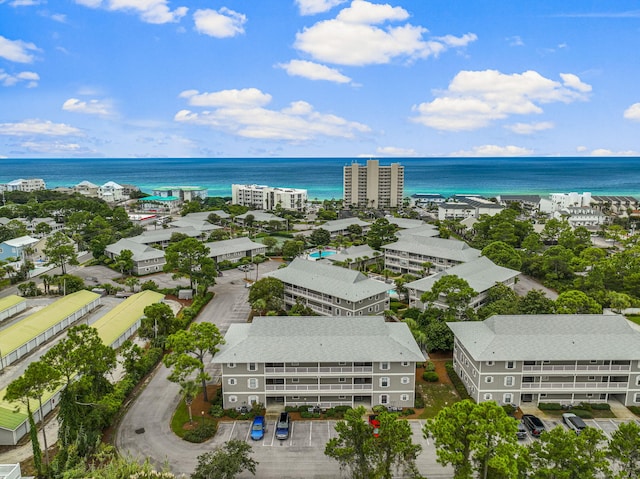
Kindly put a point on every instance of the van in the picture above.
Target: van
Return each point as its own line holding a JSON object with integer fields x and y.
{"x": 283, "y": 425}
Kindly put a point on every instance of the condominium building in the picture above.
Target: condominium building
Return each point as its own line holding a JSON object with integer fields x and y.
{"x": 268, "y": 198}
{"x": 560, "y": 358}
{"x": 373, "y": 186}
{"x": 331, "y": 290}
{"x": 318, "y": 361}
{"x": 410, "y": 254}
{"x": 184, "y": 193}
{"x": 28, "y": 185}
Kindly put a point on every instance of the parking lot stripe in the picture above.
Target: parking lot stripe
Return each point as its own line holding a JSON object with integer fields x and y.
{"x": 233, "y": 427}
{"x": 248, "y": 434}
{"x": 310, "y": 429}
{"x": 600, "y": 427}
{"x": 293, "y": 423}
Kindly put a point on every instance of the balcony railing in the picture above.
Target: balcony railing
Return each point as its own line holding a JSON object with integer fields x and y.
{"x": 549, "y": 368}
{"x": 575, "y": 386}
{"x": 318, "y": 387}
{"x": 324, "y": 370}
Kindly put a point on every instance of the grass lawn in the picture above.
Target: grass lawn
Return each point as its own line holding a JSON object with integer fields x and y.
{"x": 633, "y": 317}
{"x": 437, "y": 396}
{"x": 596, "y": 413}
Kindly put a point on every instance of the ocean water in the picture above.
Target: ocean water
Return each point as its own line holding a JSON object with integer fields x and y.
{"x": 322, "y": 177}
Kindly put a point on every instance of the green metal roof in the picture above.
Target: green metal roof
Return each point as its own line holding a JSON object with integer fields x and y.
{"x": 113, "y": 324}
{"x": 10, "y": 301}
{"x": 37, "y": 323}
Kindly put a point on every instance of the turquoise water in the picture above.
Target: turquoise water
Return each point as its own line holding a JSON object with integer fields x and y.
{"x": 316, "y": 254}
{"x": 322, "y": 177}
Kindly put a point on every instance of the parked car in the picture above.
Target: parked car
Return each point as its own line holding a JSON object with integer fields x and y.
{"x": 374, "y": 422}
{"x": 258, "y": 428}
{"x": 573, "y": 422}
{"x": 283, "y": 425}
{"x": 533, "y": 424}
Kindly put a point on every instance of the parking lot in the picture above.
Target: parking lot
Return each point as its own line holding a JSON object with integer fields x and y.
{"x": 607, "y": 426}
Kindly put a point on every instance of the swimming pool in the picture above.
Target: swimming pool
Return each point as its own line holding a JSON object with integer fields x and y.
{"x": 325, "y": 253}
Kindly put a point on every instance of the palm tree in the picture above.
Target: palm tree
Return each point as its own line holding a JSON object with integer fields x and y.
{"x": 188, "y": 390}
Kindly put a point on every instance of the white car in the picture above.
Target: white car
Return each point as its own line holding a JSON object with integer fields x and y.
{"x": 573, "y": 422}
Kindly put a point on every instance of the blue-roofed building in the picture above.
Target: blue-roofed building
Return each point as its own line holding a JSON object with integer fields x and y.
{"x": 160, "y": 204}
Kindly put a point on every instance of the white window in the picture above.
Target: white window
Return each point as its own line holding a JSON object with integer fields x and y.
{"x": 231, "y": 365}
{"x": 252, "y": 383}
{"x": 489, "y": 363}
{"x": 488, "y": 396}
{"x": 405, "y": 363}
{"x": 405, "y": 380}
{"x": 384, "y": 366}
{"x": 384, "y": 399}
{"x": 252, "y": 366}
{"x": 592, "y": 378}
{"x": 638, "y": 381}
{"x": 510, "y": 365}
{"x": 342, "y": 380}
{"x": 636, "y": 397}
{"x": 507, "y": 398}
{"x": 384, "y": 382}
{"x": 508, "y": 381}
{"x": 295, "y": 380}
{"x": 253, "y": 400}
{"x": 232, "y": 381}
{"x": 233, "y": 398}
{"x": 488, "y": 379}
{"x": 404, "y": 397}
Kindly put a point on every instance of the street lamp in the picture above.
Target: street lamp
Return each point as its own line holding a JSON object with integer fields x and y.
{"x": 202, "y": 413}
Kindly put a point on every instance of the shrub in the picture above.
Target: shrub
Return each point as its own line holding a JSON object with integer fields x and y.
{"x": 201, "y": 433}
{"x": 509, "y": 409}
{"x": 457, "y": 382}
{"x": 419, "y": 401}
{"x": 429, "y": 366}
{"x": 583, "y": 413}
{"x": 634, "y": 409}
{"x": 600, "y": 406}
{"x": 550, "y": 406}
{"x": 309, "y": 415}
{"x": 291, "y": 409}
{"x": 342, "y": 409}
{"x": 430, "y": 376}
{"x": 408, "y": 412}
{"x": 232, "y": 413}
{"x": 216, "y": 411}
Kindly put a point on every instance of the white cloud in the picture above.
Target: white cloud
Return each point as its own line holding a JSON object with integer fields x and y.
{"x": 515, "y": 41}
{"x": 605, "y": 152}
{"x": 242, "y": 113}
{"x": 395, "y": 151}
{"x": 633, "y": 112}
{"x": 91, "y": 107}
{"x": 150, "y": 11}
{"x": 474, "y": 99}
{"x": 53, "y": 147}
{"x": 495, "y": 150}
{"x": 311, "y": 7}
{"x": 223, "y": 23}
{"x": 581, "y": 149}
{"x": 360, "y": 35}
{"x": 17, "y": 50}
{"x": 23, "y": 3}
{"x": 30, "y": 78}
{"x": 37, "y": 127}
{"x": 313, "y": 71}
{"x": 529, "y": 128}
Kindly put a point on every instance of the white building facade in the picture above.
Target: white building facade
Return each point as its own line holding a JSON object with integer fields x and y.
{"x": 268, "y": 198}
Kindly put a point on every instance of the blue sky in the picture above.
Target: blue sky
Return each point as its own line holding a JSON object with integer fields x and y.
{"x": 317, "y": 78}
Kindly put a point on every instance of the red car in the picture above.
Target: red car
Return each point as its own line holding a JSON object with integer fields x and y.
{"x": 374, "y": 422}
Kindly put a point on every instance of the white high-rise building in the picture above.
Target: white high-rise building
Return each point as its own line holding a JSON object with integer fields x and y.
{"x": 373, "y": 185}
{"x": 268, "y": 197}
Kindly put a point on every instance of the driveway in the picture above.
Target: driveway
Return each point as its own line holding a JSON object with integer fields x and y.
{"x": 151, "y": 411}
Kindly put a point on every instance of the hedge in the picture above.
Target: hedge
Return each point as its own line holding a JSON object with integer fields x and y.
{"x": 457, "y": 382}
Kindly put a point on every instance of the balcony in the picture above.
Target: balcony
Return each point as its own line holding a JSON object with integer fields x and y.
{"x": 573, "y": 387}
{"x": 292, "y": 388}
{"x": 318, "y": 371}
{"x": 576, "y": 368}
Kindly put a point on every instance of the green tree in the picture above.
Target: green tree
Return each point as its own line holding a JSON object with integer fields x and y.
{"x": 453, "y": 291}
{"x": 60, "y": 251}
{"x": 292, "y": 248}
{"x": 576, "y": 302}
{"x": 270, "y": 242}
{"x": 225, "y": 462}
{"x": 475, "y": 438}
{"x": 624, "y": 451}
{"x": 561, "y": 454}
{"x": 188, "y": 391}
{"x": 158, "y": 323}
{"x": 124, "y": 261}
{"x": 536, "y": 302}
{"x": 189, "y": 258}
{"x": 381, "y": 232}
{"x": 267, "y": 294}
{"x": 503, "y": 254}
{"x": 367, "y": 457}
{"x": 190, "y": 345}
{"x": 320, "y": 237}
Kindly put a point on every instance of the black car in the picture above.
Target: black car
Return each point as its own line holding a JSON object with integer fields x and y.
{"x": 533, "y": 424}
{"x": 282, "y": 428}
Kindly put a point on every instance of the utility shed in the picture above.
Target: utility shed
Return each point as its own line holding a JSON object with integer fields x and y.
{"x": 11, "y": 305}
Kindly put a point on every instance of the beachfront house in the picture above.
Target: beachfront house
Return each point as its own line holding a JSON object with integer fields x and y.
{"x": 330, "y": 290}
{"x": 557, "y": 358}
{"x": 323, "y": 362}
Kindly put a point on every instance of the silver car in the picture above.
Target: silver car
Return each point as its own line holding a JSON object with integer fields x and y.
{"x": 573, "y": 422}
